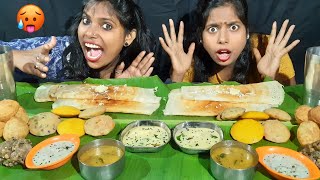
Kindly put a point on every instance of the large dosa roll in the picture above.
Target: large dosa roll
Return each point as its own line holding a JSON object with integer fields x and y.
{"x": 212, "y": 100}
{"x": 125, "y": 99}
{"x": 259, "y": 93}
{"x": 92, "y": 91}
{"x": 111, "y": 105}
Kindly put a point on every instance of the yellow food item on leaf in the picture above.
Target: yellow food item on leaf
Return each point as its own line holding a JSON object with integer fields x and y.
{"x": 66, "y": 111}
{"x": 256, "y": 115}
{"x": 72, "y": 126}
{"x": 247, "y": 131}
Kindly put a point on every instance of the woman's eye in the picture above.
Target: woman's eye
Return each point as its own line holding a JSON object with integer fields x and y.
{"x": 85, "y": 21}
{"x": 107, "y": 26}
{"x": 234, "y": 27}
{"x": 213, "y": 29}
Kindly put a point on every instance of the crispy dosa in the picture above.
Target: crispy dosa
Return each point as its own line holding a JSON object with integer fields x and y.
{"x": 177, "y": 105}
{"x": 111, "y": 105}
{"x": 93, "y": 91}
{"x": 270, "y": 92}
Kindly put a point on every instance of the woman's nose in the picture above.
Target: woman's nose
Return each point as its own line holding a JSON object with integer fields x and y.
{"x": 223, "y": 36}
{"x": 91, "y": 32}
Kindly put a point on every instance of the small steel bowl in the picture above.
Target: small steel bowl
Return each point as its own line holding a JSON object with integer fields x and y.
{"x": 220, "y": 172}
{"x": 195, "y": 125}
{"x": 109, "y": 171}
{"x": 145, "y": 123}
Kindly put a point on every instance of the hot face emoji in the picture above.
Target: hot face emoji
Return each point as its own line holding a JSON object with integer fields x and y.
{"x": 30, "y": 18}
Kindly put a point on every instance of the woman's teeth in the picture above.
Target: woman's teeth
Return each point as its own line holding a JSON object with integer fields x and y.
{"x": 94, "y": 52}
{"x": 91, "y": 45}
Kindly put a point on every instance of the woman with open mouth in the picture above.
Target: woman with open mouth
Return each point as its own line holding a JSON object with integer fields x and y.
{"x": 110, "y": 40}
{"x": 220, "y": 49}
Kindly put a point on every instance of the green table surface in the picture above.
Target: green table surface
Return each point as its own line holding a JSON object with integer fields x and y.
{"x": 169, "y": 163}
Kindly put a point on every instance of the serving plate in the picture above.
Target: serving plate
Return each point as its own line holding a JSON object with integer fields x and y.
{"x": 314, "y": 172}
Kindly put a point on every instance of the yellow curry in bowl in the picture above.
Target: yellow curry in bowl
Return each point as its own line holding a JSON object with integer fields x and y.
{"x": 233, "y": 157}
{"x": 101, "y": 155}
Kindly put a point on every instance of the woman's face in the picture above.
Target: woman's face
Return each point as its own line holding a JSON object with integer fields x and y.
{"x": 224, "y": 35}
{"x": 101, "y": 35}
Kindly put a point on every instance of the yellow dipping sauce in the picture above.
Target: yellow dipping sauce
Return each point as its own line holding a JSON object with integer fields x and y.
{"x": 232, "y": 157}
{"x": 101, "y": 156}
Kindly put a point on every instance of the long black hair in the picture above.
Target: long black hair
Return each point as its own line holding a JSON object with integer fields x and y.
{"x": 205, "y": 67}
{"x": 130, "y": 16}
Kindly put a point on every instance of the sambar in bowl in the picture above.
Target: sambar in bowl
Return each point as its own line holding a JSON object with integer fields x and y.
{"x": 101, "y": 159}
{"x": 233, "y": 160}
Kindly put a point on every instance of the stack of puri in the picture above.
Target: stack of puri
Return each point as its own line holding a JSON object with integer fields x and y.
{"x": 308, "y": 132}
{"x": 13, "y": 120}
{"x": 213, "y": 99}
{"x": 124, "y": 99}
{"x": 14, "y": 128}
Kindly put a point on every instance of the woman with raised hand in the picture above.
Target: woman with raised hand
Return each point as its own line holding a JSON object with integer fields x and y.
{"x": 220, "y": 49}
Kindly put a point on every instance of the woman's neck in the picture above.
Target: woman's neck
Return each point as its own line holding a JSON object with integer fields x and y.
{"x": 105, "y": 72}
{"x": 225, "y": 73}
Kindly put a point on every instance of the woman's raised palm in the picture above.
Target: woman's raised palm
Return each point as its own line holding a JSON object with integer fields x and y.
{"x": 173, "y": 45}
{"x": 268, "y": 65}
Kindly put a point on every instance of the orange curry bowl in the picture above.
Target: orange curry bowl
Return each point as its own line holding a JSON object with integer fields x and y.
{"x": 287, "y": 164}
{"x": 53, "y": 152}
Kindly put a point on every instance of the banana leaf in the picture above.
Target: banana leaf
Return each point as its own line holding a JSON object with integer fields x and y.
{"x": 170, "y": 163}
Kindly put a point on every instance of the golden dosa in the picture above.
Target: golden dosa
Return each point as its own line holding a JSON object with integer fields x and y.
{"x": 177, "y": 105}
{"x": 258, "y": 93}
{"x": 92, "y": 91}
{"x": 111, "y": 105}
{"x": 124, "y": 99}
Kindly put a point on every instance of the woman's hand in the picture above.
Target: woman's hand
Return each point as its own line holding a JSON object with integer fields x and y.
{"x": 33, "y": 61}
{"x": 277, "y": 47}
{"x": 173, "y": 45}
{"x": 141, "y": 66}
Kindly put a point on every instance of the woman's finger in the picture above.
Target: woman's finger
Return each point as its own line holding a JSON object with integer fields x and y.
{"x": 41, "y": 67}
{"x": 289, "y": 48}
{"x": 172, "y": 31}
{"x": 148, "y": 73}
{"x": 164, "y": 45}
{"x": 119, "y": 69}
{"x": 286, "y": 38}
{"x": 256, "y": 54}
{"x": 38, "y": 73}
{"x": 48, "y": 46}
{"x": 138, "y": 59}
{"x": 166, "y": 35}
{"x": 31, "y": 69}
{"x": 181, "y": 32}
{"x": 282, "y": 31}
{"x": 145, "y": 60}
{"x": 147, "y": 66}
{"x": 191, "y": 49}
{"x": 272, "y": 35}
{"x": 42, "y": 58}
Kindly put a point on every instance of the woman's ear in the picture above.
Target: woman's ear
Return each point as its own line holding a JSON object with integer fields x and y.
{"x": 130, "y": 37}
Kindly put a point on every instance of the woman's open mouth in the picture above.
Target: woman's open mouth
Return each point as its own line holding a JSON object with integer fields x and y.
{"x": 223, "y": 55}
{"x": 93, "y": 52}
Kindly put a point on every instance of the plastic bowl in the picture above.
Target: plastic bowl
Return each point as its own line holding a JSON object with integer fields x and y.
{"x": 74, "y": 139}
{"x": 314, "y": 172}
